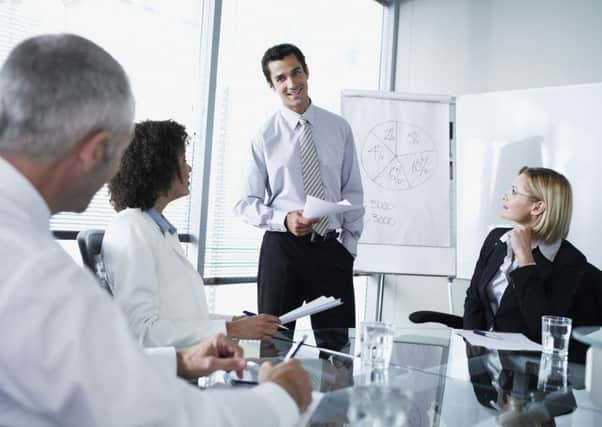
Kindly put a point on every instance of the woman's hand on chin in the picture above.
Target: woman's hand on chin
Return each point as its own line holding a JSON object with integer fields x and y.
{"x": 521, "y": 238}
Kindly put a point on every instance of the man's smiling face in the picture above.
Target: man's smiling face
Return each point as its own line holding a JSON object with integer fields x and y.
{"x": 289, "y": 79}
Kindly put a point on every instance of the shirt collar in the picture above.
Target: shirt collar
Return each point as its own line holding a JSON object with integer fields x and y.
{"x": 162, "y": 222}
{"x": 19, "y": 191}
{"x": 292, "y": 118}
{"x": 548, "y": 250}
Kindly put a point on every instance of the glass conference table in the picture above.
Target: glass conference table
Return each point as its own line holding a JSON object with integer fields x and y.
{"x": 435, "y": 379}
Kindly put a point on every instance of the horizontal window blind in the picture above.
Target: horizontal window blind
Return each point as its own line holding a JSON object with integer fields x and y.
{"x": 158, "y": 44}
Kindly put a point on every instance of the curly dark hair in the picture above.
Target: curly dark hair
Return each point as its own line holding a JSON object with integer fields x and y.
{"x": 149, "y": 164}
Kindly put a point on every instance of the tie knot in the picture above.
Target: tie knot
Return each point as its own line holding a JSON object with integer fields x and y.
{"x": 303, "y": 122}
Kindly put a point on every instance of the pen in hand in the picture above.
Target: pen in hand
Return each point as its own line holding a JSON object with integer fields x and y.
{"x": 295, "y": 348}
{"x": 250, "y": 314}
{"x": 291, "y": 353}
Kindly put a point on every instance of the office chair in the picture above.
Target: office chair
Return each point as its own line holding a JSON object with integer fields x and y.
{"x": 449, "y": 320}
{"x": 90, "y": 245}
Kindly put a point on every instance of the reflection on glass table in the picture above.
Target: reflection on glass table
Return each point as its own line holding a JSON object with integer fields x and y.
{"x": 435, "y": 379}
{"x": 592, "y": 335}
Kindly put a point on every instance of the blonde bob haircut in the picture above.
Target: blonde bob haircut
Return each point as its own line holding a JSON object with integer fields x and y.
{"x": 555, "y": 191}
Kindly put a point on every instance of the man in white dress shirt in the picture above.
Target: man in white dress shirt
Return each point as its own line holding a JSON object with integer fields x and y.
{"x": 302, "y": 258}
{"x": 68, "y": 357}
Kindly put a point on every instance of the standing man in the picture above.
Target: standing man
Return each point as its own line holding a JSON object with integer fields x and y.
{"x": 302, "y": 150}
{"x": 68, "y": 357}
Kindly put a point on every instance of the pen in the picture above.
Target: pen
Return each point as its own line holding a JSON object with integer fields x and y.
{"x": 236, "y": 381}
{"x": 488, "y": 335}
{"x": 295, "y": 348}
{"x": 250, "y": 313}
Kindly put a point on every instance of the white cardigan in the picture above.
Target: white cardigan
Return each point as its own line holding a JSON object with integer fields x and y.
{"x": 160, "y": 292}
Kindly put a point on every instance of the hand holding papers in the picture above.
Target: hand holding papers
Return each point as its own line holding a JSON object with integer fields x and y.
{"x": 317, "y": 208}
{"x": 499, "y": 340}
{"x": 316, "y": 306}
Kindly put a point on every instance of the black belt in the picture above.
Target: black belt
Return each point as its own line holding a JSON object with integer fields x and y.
{"x": 330, "y": 235}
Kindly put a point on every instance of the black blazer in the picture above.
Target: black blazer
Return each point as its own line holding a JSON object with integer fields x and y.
{"x": 569, "y": 286}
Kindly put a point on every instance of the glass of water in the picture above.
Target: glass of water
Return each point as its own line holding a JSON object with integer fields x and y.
{"x": 377, "y": 344}
{"x": 555, "y": 335}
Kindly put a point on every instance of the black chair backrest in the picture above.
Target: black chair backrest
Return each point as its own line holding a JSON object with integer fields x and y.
{"x": 90, "y": 244}
{"x": 449, "y": 320}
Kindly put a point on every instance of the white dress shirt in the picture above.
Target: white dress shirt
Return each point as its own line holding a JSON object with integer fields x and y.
{"x": 154, "y": 283}
{"x": 497, "y": 287}
{"x": 273, "y": 184}
{"x": 68, "y": 357}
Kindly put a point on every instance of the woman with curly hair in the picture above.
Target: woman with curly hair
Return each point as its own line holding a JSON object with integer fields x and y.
{"x": 160, "y": 292}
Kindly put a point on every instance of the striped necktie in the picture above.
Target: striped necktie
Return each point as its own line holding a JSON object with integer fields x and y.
{"x": 310, "y": 170}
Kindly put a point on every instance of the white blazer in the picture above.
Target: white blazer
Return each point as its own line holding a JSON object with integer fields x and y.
{"x": 158, "y": 289}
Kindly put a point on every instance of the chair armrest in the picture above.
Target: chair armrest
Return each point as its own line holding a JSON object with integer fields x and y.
{"x": 450, "y": 320}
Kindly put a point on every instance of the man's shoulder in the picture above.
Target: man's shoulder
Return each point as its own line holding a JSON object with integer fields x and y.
{"x": 323, "y": 113}
{"x": 269, "y": 123}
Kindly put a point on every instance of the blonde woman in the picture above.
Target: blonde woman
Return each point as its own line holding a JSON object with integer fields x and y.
{"x": 531, "y": 270}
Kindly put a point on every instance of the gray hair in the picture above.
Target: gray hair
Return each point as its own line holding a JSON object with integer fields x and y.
{"x": 55, "y": 90}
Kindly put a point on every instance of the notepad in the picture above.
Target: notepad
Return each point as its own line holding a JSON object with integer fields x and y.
{"x": 316, "y": 306}
{"x": 499, "y": 340}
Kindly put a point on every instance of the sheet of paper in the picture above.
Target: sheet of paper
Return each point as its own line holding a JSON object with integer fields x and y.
{"x": 318, "y": 302}
{"x": 316, "y": 306}
{"x": 306, "y": 416}
{"x": 317, "y": 208}
{"x": 499, "y": 340}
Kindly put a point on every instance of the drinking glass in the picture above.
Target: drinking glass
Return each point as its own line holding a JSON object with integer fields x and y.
{"x": 555, "y": 335}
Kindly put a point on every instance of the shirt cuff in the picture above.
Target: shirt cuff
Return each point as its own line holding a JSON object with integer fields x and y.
{"x": 282, "y": 404}
{"x": 163, "y": 359}
{"x": 216, "y": 326}
{"x": 225, "y": 317}
{"x": 277, "y": 222}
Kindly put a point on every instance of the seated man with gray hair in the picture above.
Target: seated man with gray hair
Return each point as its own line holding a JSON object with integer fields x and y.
{"x": 68, "y": 357}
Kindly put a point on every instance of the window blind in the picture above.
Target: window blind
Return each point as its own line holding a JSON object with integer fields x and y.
{"x": 164, "y": 79}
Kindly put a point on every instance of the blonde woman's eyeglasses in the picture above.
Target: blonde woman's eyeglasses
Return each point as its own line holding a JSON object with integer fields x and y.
{"x": 518, "y": 193}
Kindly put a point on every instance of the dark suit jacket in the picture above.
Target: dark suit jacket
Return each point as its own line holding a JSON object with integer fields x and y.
{"x": 569, "y": 286}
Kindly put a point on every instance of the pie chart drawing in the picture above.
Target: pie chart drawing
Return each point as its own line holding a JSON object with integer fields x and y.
{"x": 398, "y": 156}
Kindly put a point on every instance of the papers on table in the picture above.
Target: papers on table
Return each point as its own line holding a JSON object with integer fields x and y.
{"x": 319, "y": 304}
{"x": 317, "y": 208}
{"x": 499, "y": 340}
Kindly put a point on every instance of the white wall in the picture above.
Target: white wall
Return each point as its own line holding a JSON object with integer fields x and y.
{"x": 465, "y": 46}
{"x": 456, "y": 47}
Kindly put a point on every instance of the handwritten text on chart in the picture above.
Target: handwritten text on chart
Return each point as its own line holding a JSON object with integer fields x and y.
{"x": 378, "y": 213}
{"x": 398, "y": 156}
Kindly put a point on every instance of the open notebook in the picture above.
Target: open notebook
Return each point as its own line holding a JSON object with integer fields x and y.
{"x": 319, "y": 304}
